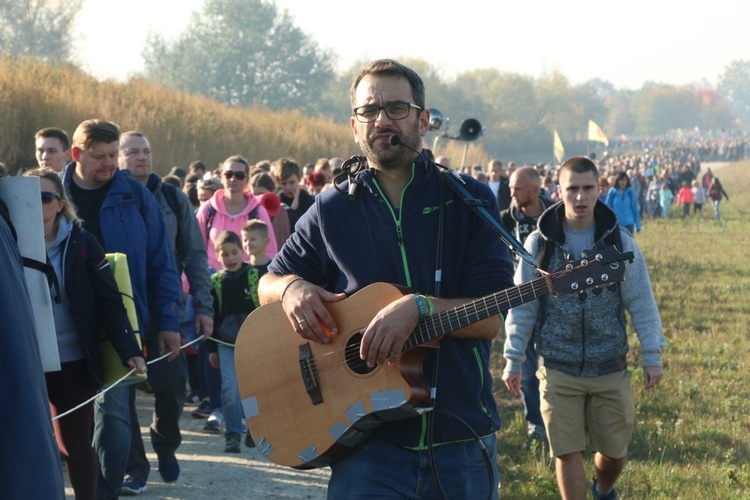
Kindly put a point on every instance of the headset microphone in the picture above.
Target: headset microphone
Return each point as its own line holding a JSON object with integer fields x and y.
{"x": 396, "y": 140}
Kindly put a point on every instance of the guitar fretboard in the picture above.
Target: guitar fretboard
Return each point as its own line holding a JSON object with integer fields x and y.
{"x": 450, "y": 320}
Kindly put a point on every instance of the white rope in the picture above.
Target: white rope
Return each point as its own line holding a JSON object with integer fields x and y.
{"x": 123, "y": 378}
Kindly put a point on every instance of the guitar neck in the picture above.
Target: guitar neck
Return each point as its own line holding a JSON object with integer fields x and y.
{"x": 450, "y": 320}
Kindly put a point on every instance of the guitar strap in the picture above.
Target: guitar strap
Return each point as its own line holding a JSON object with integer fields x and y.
{"x": 479, "y": 207}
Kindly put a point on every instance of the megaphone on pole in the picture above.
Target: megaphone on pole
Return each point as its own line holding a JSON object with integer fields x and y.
{"x": 470, "y": 130}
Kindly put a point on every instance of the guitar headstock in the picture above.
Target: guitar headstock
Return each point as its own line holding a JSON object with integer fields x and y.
{"x": 596, "y": 269}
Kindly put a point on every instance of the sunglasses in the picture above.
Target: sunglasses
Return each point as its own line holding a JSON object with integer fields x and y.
{"x": 48, "y": 196}
{"x": 228, "y": 174}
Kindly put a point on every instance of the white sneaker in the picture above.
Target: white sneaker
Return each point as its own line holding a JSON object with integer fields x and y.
{"x": 215, "y": 422}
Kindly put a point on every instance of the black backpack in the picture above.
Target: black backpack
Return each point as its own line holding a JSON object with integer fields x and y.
{"x": 252, "y": 214}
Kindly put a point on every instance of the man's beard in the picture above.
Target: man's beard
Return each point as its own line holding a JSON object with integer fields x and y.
{"x": 387, "y": 157}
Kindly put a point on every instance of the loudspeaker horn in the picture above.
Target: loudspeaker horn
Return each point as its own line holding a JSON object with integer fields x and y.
{"x": 470, "y": 130}
{"x": 436, "y": 118}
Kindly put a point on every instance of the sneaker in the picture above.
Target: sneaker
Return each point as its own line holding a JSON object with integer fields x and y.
{"x": 193, "y": 400}
{"x": 536, "y": 431}
{"x": 249, "y": 442}
{"x": 215, "y": 421}
{"x": 612, "y": 495}
{"x": 233, "y": 444}
{"x": 132, "y": 487}
{"x": 169, "y": 468}
{"x": 203, "y": 411}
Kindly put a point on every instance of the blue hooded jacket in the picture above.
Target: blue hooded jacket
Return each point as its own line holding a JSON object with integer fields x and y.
{"x": 344, "y": 245}
{"x": 131, "y": 223}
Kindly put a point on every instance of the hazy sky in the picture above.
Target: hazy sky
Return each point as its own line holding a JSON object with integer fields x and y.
{"x": 626, "y": 43}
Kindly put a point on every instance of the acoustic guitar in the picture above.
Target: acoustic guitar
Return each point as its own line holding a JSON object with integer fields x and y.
{"x": 308, "y": 404}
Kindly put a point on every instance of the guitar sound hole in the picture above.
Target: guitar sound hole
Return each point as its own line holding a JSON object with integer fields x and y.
{"x": 356, "y": 364}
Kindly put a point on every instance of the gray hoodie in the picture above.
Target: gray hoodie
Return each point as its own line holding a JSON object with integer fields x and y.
{"x": 584, "y": 336}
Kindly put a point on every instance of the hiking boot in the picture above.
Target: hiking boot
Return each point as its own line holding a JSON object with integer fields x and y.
{"x": 233, "y": 443}
{"x": 612, "y": 495}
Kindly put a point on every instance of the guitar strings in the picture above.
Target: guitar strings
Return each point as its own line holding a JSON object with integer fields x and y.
{"x": 446, "y": 321}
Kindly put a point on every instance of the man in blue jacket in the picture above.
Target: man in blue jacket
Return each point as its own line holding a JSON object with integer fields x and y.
{"x": 403, "y": 226}
{"x": 125, "y": 218}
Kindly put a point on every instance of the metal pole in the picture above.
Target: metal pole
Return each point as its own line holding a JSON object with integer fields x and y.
{"x": 466, "y": 148}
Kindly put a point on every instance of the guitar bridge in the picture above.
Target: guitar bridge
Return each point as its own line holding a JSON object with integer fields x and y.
{"x": 309, "y": 374}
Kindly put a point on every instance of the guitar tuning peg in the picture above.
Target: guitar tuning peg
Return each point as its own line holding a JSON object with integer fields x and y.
{"x": 582, "y": 296}
{"x": 612, "y": 287}
{"x": 598, "y": 291}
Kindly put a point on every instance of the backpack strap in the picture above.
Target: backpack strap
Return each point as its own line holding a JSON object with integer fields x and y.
{"x": 5, "y": 214}
{"x": 216, "y": 282}
{"x": 544, "y": 254}
{"x": 171, "y": 196}
{"x": 48, "y": 270}
{"x": 211, "y": 213}
{"x": 252, "y": 280}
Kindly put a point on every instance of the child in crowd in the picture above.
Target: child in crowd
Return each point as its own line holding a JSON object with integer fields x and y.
{"x": 288, "y": 175}
{"x": 685, "y": 198}
{"x": 665, "y": 199}
{"x": 235, "y": 292}
{"x": 699, "y": 197}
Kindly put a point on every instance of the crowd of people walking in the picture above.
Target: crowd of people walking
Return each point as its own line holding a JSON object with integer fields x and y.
{"x": 198, "y": 241}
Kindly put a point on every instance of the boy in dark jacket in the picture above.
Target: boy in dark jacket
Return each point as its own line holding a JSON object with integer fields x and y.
{"x": 235, "y": 292}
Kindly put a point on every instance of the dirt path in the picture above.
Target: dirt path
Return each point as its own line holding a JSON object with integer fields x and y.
{"x": 209, "y": 473}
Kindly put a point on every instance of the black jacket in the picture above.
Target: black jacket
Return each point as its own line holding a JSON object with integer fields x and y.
{"x": 96, "y": 302}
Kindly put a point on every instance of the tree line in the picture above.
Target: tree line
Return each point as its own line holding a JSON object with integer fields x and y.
{"x": 247, "y": 53}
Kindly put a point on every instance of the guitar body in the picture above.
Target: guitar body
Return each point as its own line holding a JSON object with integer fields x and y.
{"x": 307, "y": 404}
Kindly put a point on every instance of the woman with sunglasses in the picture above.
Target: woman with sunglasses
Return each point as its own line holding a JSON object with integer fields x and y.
{"x": 86, "y": 301}
{"x": 229, "y": 208}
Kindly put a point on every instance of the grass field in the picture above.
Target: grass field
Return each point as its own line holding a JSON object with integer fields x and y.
{"x": 692, "y": 436}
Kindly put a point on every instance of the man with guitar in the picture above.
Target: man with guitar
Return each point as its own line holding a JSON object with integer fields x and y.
{"x": 397, "y": 222}
{"x": 581, "y": 339}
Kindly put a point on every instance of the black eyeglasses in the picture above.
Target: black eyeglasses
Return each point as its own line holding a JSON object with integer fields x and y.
{"x": 228, "y": 174}
{"x": 393, "y": 110}
{"x": 48, "y": 196}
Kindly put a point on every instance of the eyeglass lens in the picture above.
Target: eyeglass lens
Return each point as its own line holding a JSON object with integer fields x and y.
{"x": 48, "y": 196}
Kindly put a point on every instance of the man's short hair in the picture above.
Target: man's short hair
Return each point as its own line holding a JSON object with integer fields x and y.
{"x": 389, "y": 67}
{"x": 56, "y": 133}
{"x": 95, "y": 131}
{"x": 529, "y": 173}
{"x": 580, "y": 165}
{"x": 197, "y": 165}
{"x": 131, "y": 133}
{"x": 284, "y": 167}
{"x": 256, "y": 225}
